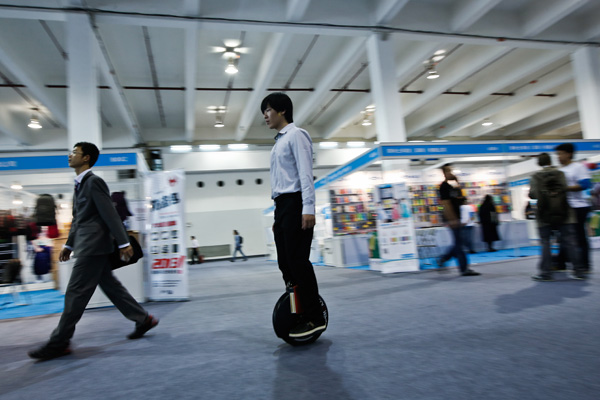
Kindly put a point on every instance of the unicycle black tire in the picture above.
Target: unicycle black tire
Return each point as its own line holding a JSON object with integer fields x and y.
{"x": 284, "y": 321}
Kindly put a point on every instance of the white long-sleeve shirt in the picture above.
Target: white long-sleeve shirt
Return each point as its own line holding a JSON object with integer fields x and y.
{"x": 291, "y": 166}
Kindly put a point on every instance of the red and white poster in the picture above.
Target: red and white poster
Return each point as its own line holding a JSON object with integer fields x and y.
{"x": 168, "y": 278}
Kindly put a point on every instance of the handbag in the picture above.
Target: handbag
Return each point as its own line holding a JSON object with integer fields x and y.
{"x": 115, "y": 257}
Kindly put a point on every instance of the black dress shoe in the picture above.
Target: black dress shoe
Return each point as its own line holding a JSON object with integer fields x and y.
{"x": 148, "y": 324}
{"x": 46, "y": 352}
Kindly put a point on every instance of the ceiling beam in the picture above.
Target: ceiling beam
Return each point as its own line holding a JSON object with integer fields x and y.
{"x": 271, "y": 26}
{"x": 545, "y": 84}
{"x": 532, "y": 107}
{"x": 483, "y": 90}
{"x": 34, "y": 84}
{"x": 117, "y": 93}
{"x": 540, "y": 16}
{"x": 296, "y": 10}
{"x": 561, "y": 110}
{"x": 346, "y": 60}
{"x": 271, "y": 60}
{"x": 190, "y": 66}
{"x": 387, "y": 10}
{"x": 408, "y": 60}
{"x": 14, "y": 129}
{"x": 558, "y": 123}
{"x": 347, "y": 116}
{"x": 462, "y": 68}
{"x": 467, "y": 12}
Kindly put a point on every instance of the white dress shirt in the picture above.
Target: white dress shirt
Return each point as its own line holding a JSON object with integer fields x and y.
{"x": 291, "y": 166}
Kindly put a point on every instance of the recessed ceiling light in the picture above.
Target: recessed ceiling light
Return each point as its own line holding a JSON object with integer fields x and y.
{"x": 487, "y": 122}
{"x": 231, "y": 68}
{"x": 366, "y": 122}
{"x": 439, "y": 52}
{"x": 16, "y": 186}
{"x": 237, "y": 146}
{"x": 209, "y": 147}
{"x": 355, "y": 144}
{"x": 181, "y": 148}
{"x": 34, "y": 124}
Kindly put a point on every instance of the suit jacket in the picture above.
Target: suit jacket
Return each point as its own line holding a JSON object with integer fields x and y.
{"x": 95, "y": 219}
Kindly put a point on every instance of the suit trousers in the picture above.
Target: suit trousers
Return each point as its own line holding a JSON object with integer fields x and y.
{"x": 89, "y": 272}
{"x": 293, "y": 252}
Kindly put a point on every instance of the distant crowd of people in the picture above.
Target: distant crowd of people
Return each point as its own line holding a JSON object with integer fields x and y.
{"x": 561, "y": 212}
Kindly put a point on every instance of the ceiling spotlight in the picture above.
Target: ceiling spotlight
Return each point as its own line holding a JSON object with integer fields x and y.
{"x": 439, "y": 52}
{"x": 487, "y": 122}
{"x": 219, "y": 122}
{"x": 438, "y": 58}
{"x": 366, "y": 122}
{"x": 370, "y": 108}
{"x": 432, "y": 74}
{"x": 34, "y": 122}
{"x": 16, "y": 186}
{"x": 231, "y": 68}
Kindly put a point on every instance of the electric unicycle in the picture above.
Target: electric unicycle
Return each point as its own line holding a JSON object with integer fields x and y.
{"x": 285, "y": 318}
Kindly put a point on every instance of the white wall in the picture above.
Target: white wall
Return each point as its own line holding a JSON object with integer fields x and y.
{"x": 213, "y": 212}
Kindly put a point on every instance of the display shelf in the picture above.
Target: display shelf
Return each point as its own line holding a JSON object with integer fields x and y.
{"x": 428, "y": 211}
{"x": 352, "y": 211}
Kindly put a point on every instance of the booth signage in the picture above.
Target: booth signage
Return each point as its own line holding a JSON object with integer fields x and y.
{"x": 62, "y": 161}
{"x": 354, "y": 165}
{"x": 166, "y": 240}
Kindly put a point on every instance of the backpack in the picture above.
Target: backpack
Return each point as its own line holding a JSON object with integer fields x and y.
{"x": 241, "y": 240}
{"x": 552, "y": 204}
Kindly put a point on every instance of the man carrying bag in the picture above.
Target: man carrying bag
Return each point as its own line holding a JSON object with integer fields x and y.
{"x": 95, "y": 224}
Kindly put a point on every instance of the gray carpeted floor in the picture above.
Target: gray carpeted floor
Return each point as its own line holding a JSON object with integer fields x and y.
{"x": 406, "y": 336}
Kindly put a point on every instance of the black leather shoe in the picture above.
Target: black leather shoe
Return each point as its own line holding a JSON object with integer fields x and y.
{"x": 148, "y": 324}
{"x": 46, "y": 352}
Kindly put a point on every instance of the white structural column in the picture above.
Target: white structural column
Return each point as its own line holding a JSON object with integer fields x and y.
{"x": 82, "y": 76}
{"x": 586, "y": 69}
{"x": 388, "y": 108}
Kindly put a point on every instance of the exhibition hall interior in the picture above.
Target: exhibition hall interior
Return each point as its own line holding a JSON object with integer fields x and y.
{"x": 390, "y": 91}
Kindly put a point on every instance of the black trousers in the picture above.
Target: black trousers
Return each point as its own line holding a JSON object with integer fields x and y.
{"x": 293, "y": 252}
{"x": 89, "y": 272}
{"x": 580, "y": 238}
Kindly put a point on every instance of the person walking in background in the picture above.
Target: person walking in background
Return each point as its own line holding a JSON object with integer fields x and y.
{"x": 578, "y": 179}
{"x": 549, "y": 187}
{"x": 488, "y": 217}
{"x": 467, "y": 221}
{"x": 293, "y": 189}
{"x": 95, "y": 224}
{"x": 195, "y": 259}
{"x": 238, "y": 240}
{"x": 451, "y": 198}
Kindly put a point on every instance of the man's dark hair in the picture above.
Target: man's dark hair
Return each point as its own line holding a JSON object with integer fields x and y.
{"x": 89, "y": 149}
{"x": 447, "y": 165}
{"x": 566, "y": 147}
{"x": 279, "y": 102}
{"x": 544, "y": 160}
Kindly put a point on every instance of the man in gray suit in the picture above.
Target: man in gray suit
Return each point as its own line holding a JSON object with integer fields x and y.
{"x": 95, "y": 224}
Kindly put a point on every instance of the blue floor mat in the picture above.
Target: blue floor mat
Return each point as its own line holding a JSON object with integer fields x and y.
{"x": 39, "y": 302}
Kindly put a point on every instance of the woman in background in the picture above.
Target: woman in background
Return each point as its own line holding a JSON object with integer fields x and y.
{"x": 489, "y": 221}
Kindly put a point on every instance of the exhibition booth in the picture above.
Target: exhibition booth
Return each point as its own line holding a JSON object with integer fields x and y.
{"x": 149, "y": 209}
{"x": 382, "y": 209}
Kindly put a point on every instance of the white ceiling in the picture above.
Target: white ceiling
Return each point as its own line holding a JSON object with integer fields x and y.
{"x": 502, "y": 54}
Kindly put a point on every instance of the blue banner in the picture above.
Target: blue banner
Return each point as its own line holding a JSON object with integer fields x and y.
{"x": 354, "y": 165}
{"x": 454, "y": 149}
{"x": 58, "y": 162}
{"x": 520, "y": 182}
